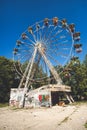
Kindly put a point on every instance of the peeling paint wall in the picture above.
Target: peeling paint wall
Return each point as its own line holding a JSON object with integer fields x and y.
{"x": 32, "y": 99}
{"x": 38, "y": 99}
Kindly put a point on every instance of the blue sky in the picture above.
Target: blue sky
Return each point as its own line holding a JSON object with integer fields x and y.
{"x": 17, "y": 15}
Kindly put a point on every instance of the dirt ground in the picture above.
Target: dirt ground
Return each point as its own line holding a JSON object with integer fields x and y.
{"x": 71, "y": 117}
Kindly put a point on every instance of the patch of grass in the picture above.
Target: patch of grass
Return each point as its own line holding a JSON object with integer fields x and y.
{"x": 3, "y": 105}
{"x": 78, "y": 103}
{"x": 14, "y": 108}
{"x": 85, "y": 124}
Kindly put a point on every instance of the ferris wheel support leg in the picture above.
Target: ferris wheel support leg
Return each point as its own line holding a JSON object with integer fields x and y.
{"x": 52, "y": 69}
{"x": 20, "y": 85}
{"x": 27, "y": 79}
{"x": 69, "y": 98}
{"x": 24, "y": 75}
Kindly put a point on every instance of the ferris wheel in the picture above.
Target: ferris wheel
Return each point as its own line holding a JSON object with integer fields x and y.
{"x": 44, "y": 46}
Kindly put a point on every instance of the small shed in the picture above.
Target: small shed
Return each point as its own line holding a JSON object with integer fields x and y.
{"x": 47, "y": 96}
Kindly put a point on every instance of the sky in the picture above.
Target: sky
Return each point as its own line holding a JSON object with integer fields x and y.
{"x": 17, "y": 15}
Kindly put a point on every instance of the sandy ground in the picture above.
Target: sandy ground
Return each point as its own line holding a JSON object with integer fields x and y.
{"x": 71, "y": 117}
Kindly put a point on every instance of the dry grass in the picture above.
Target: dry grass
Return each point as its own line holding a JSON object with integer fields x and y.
{"x": 64, "y": 120}
{"x": 3, "y": 105}
{"x": 85, "y": 124}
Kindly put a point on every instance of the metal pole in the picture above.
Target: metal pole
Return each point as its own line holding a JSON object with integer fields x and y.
{"x": 28, "y": 77}
{"x": 52, "y": 69}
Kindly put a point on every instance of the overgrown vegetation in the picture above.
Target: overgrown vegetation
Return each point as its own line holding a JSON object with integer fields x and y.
{"x": 7, "y": 79}
{"x": 85, "y": 124}
{"x": 75, "y": 76}
{"x": 3, "y": 105}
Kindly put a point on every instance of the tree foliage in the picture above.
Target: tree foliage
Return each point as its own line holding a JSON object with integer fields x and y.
{"x": 76, "y": 78}
{"x": 74, "y": 75}
{"x": 7, "y": 78}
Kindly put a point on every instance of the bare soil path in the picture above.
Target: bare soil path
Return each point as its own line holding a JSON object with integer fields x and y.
{"x": 71, "y": 117}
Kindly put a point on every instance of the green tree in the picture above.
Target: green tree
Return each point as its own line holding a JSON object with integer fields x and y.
{"x": 8, "y": 78}
{"x": 85, "y": 61}
{"x": 85, "y": 78}
{"x": 77, "y": 78}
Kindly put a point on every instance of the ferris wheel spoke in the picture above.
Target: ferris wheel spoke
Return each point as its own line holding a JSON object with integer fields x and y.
{"x": 52, "y": 41}
{"x": 23, "y": 58}
{"x": 31, "y": 41}
{"x": 54, "y": 35}
{"x": 58, "y": 39}
{"x": 35, "y": 39}
{"x": 57, "y": 33}
{"x": 64, "y": 46}
{"x": 23, "y": 53}
{"x": 45, "y": 33}
{"x": 56, "y": 61}
{"x": 58, "y": 42}
{"x": 65, "y": 41}
{"x": 37, "y": 31}
{"x": 60, "y": 34}
{"x": 24, "y": 49}
{"x": 50, "y": 33}
{"x": 57, "y": 53}
{"x": 23, "y": 44}
{"x": 40, "y": 33}
{"x": 57, "y": 47}
{"x": 28, "y": 44}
